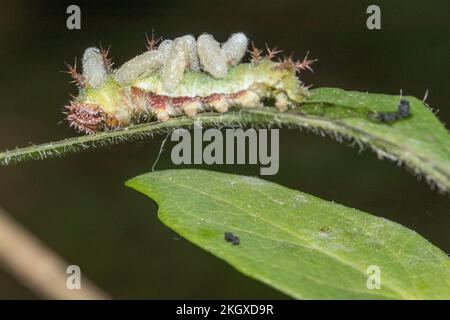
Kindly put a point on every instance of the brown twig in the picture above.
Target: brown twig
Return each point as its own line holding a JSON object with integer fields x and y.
{"x": 37, "y": 266}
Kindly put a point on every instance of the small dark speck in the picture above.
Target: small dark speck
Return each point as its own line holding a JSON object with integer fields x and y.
{"x": 325, "y": 229}
{"x": 230, "y": 237}
{"x": 403, "y": 111}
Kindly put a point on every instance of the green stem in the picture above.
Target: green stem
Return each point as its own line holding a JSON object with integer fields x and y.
{"x": 341, "y": 114}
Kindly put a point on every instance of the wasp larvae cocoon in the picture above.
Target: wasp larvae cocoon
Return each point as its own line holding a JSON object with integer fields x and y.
{"x": 146, "y": 62}
{"x": 94, "y": 70}
{"x": 191, "y": 46}
{"x": 212, "y": 58}
{"x": 235, "y": 48}
{"x": 164, "y": 48}
{"x": 175, "y": 65}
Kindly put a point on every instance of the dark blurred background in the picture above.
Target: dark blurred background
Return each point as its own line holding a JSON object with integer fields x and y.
{"x": 79, "y": 206}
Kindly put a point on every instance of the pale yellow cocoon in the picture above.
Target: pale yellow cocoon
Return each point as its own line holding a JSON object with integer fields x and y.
{"x": 235, "y": 48}
{"x": 212, "y": 58}
{"x": 131, "y": 70}
{"x": 175, "y": 64}
{"x": 94, "y": 71}
{"x": 191, "y": 46}
{"x": 164, "y": 48}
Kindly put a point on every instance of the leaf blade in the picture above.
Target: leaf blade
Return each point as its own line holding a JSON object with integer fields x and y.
{"x": 297, "y": 243}
{"x": 421, "y": 142}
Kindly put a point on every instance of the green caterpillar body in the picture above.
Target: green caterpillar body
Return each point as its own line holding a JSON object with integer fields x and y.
{"x": 113, "y": 104}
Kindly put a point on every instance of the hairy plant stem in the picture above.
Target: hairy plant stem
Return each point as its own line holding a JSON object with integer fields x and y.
{"x": 385, "y": 141}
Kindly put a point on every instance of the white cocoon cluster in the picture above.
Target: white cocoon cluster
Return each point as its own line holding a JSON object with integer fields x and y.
{"x": 94, "y": 71}
{"x": 146, "y": 62}
{"x": 235, "y": 48}
{"x": 165, "y": 47}
{"x": 174, "y": 57}
{"x": 212, "y": 58}
{"x": 175, "y": 64}
{"x": 191, "y": 45}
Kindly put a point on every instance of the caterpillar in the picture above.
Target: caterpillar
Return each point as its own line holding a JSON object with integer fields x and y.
{"x": 180, "y": 76}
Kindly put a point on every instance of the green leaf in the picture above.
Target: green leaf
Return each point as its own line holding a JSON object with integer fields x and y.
{"x": 421, "y": 141}
{"x": 304, "y": 246}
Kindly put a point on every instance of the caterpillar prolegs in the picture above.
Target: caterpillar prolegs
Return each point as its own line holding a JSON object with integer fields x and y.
{"x": 183, "y": 76}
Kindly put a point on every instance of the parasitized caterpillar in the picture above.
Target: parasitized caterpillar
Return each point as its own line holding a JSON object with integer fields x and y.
{"x": 183, "y": 76}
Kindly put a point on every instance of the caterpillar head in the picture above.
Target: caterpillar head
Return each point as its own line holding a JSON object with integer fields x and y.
{"x": 94, "y": 108}
{"x": 89, "y": 118}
